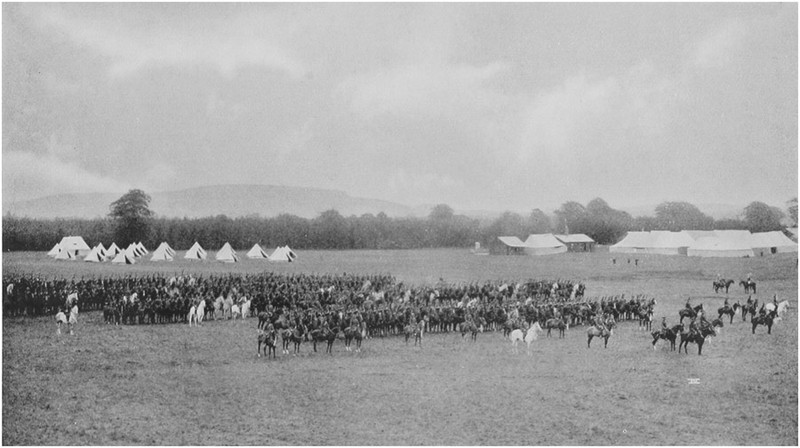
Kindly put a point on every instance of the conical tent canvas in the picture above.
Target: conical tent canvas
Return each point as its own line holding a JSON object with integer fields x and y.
{"x": 64, "y": 254}
{"x": 141, "y": 248}
{"x": 169, "y": 250}
{"x": 257, "y": 252}
{"x": 101, "y": 250}
{"x": 195, "y": 252}
{"x": 281, "y": 254}
{"x": 161, "y": 253}
{"x": 227, "y": 254}
{"x": 113, "y": 250}
{"x": 124, "y": 257}
{"x": 94, "y": 256}
{"x": 290, "y": 253}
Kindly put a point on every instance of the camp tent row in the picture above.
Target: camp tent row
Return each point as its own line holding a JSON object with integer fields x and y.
{"x": 228, "y": 255}
{"x": 705, "y": 243}
{"x": 546, "y": 243}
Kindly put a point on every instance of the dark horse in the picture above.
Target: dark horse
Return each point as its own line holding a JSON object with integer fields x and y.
{"x": 669, "y": 334}
{"x": 356, "y": 332}
{"x": 729, "y": 311}
{"x": 294, "y": 335}
{"x": 555, "y": 323}
{"x": 416, "y": 331}
{"x": 766, "y": 319}
{"x": 326, "y": 335}
{"x": 749, "y": 286}
{"x": 604, "y": 333}
{"x": 689, "y": 312}
{"x": 695, "y": 337}
{"x": 750, "y": 308}
{"x": 722, "y": 283}
{"x": 468, "y": 327}
{"x": 269, "y": 339}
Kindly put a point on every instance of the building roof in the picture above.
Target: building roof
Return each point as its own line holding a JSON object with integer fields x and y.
{"x": 575, "y": 238}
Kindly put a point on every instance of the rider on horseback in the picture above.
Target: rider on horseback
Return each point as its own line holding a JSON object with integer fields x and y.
{"x": 688, "y": 305}
{"x": 693, "y": 327}
{"x": 664, "y": 326}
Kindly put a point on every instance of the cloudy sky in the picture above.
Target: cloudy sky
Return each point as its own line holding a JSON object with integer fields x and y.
{"x": 479, "y": 106}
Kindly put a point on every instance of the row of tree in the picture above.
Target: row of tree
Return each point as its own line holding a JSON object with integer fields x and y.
{"x": 131, "y": 220}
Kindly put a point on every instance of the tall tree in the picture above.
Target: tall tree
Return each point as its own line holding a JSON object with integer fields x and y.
{"x": 132, "y": 216}
{"x": 792, "y": 209}
{"x": 539, "y": 222}
{"x": 676, "y": 216}
{"x": 572, "y": 217}
{"x": 760, "y": 217}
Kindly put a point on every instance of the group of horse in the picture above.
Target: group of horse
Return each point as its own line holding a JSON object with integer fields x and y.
{"x": 766, "y": 315}
{"x": 294, "y": 332}
{"x": 749, "y": 285}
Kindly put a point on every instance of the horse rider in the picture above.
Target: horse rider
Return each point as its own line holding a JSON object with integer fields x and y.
{"x": 693, "y": 327}
{"x": 775, "y": 301}
{"x": 688, "y": 305}
{"x": 725, "y": 305}
{"x": 664, "y": 326}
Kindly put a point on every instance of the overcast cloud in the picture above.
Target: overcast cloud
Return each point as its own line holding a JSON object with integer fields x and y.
{"x": 480, "y": 106}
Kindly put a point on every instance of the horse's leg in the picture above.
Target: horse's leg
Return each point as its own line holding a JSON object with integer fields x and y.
{"x": 700, "y": 347}
{"x": 605, "y": 345}
{"x": 589, "y": 342}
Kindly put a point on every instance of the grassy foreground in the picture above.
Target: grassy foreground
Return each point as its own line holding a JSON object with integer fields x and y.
{"x": 175, "y": 385}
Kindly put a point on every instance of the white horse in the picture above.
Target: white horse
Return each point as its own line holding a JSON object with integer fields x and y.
{"x": 531, "y": 335}
{"x": 61, "y": 318}
{"x": 235, "y": 311}
{"x": 192, "y": 317}
{"x": 782, "y": 307}
{"x": 73, "y": 317}
{"x": 515, "y": 337}
{"x": 200, "y": 311}
{"x": 218, "y": 306}
{"x": 226, "y": 307}
{"x": 245, "y": 308}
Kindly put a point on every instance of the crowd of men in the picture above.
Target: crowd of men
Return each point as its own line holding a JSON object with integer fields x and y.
{"x": 385, "y": 305}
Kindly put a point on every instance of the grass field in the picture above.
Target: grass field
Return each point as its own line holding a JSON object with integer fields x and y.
{"x": 175, "y": 385}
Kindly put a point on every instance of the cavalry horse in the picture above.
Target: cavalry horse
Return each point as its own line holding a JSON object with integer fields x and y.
{"x": 749, "y": 286}
{"x": 531, "y": 335}
{"x": 324, "y": 334}
{"x": 270, "y": 341}
{"x": 730, "y": 311}
{"x": 416, "y": 331}
{"x": 669, "y": 334}
{"x": 780, "y": 308}
{"x": 602, "y": 332}
{"x": 469, "y": 327}
{"x": 695, "y": 337}
{"x": 509, "y": 326}
{"x": 357, "y": 332}
{"x": 767, "y": 319}
{"x": 690, "y": 312}
{"x": 293, "y": 335}
{"x": 555, "y": 323}
{"x": 722, "y": 284}
{"x": 646, "y": 318}
{"x": 750, "y": 308}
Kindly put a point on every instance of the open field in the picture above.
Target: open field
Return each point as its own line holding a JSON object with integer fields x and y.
{"x": 176, "y": 385}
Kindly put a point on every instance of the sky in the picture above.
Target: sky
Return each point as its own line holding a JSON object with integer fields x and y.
{"x": 481, "y": 106}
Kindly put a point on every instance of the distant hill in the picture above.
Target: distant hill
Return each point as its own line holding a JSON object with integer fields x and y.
{"x": 230, "y": 200}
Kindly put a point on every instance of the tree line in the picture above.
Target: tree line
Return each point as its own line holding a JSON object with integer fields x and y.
{"x": 130, "y": 220}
